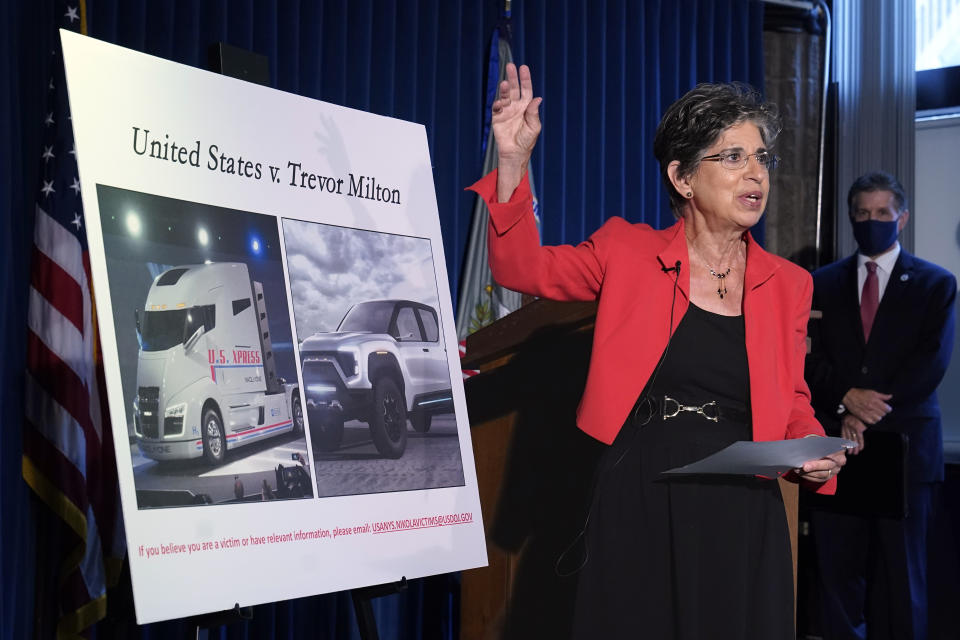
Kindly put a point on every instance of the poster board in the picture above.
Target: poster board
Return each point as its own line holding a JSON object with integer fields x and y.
{"x": 278, "y": 337}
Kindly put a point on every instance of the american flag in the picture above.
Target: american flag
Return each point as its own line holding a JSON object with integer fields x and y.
{"x": 68, "y": 457}
{"x": 467, "y": 373}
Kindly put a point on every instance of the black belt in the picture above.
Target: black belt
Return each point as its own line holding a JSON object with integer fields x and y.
{"x": 666, "y": 407}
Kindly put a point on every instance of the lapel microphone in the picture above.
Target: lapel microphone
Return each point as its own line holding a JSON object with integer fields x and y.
{"x": 666, "y": 269}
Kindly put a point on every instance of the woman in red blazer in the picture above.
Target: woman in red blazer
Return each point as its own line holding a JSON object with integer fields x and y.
{"x": 699, "y": 341}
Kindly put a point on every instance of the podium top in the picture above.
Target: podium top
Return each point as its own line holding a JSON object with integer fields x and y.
{"x": 503, "y": 337}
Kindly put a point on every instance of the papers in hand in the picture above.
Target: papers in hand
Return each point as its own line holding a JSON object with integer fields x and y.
{"x": 768, "y": 459}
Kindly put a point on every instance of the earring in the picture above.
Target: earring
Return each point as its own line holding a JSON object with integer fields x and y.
{"x": 689, "y": 194}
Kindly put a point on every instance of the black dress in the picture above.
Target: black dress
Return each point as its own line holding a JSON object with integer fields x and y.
{"x": 694, "y": 557}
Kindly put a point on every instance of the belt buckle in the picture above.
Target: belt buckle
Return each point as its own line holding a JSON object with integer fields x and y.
{"x": 712, "y": 416}
{"x": 716, "y": 411}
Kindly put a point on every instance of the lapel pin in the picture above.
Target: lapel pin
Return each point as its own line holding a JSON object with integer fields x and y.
{"x": 904, "y": 277}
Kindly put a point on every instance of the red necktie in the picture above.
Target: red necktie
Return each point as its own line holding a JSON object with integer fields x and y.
{"x": 869, "y": 299}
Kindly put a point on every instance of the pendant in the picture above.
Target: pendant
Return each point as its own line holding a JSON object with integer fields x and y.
{"x": 722, "y": 285}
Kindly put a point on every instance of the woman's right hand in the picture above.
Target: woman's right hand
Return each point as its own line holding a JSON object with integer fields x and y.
{"x": 516, "y": 125}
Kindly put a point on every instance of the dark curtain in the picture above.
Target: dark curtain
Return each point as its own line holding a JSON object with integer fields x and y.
{"x": 606, "y": 70}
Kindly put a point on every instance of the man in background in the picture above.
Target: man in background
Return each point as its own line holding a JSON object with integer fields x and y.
{"x": 878, "y": 355}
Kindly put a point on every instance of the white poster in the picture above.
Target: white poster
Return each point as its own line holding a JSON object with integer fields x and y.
{"x": 281, "y": 359}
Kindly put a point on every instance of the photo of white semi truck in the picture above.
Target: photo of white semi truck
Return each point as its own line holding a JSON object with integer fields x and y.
{"x": 206, "y": 376}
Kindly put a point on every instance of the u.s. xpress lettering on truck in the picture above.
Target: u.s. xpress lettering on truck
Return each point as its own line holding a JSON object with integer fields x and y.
{"x": 206, "y": 377}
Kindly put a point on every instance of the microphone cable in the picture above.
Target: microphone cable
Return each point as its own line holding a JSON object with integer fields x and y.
{"x": 601, "y": 474}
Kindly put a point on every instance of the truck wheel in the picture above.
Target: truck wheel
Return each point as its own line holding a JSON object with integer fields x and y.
{"x": 388, "y": 420}
{"x": 420, "y": 421}
{"x": 297, "y": 414}
{"x": 326, "y": 431}
{"x": 214, "y": 442}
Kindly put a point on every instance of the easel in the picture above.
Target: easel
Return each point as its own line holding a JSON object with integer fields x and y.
{"x": 361, "y": 597}
{"x": 253, "y": 67}
{"x": 202, "y": 624}
{"x": 362, "y": 608}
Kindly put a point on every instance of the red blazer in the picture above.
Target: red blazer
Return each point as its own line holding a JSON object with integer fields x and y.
{"x": 620, "y": 266}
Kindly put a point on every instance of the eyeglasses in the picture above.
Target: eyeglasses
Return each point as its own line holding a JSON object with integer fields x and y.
{"x": 734, "y": 160}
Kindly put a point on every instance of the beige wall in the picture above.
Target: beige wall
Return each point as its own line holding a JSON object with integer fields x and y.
{"x": 936, "y": 222}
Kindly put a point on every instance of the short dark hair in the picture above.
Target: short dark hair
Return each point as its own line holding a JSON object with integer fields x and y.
{"x": 694, "y": 122}
{"x": 877, "y": 181}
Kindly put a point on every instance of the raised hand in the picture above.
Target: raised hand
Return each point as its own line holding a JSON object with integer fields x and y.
{"x": 516, "y": 126}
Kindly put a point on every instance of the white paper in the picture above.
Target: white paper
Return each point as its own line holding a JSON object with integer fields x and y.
{"x": 767, "y": 459}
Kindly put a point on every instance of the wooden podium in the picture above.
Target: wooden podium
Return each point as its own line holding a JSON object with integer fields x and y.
{"x": 534, "y": 467}
{"x": 535, "y": 470}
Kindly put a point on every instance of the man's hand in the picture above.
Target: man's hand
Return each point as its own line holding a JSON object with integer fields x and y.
{"x": 516, "y": 124}
{"x": 868, "y": 405}
{"x": 852, "y": 428}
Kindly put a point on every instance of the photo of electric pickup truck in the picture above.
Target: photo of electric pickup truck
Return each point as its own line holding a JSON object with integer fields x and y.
{"x": 384, "y": 365}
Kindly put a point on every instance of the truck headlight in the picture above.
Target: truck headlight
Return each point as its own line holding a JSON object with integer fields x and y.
{"x": 315, "y": 389}
{"x": 173, "y": 417}
{"x": 136, "y": 418}
{"x": 176, "y": 411}
{"x": 347, "y": 359}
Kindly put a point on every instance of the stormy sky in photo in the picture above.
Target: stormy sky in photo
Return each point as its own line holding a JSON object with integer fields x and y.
{"x": 333, "y": 268}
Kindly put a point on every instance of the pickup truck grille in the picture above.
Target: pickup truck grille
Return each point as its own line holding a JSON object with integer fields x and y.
{"x": 322, "y": 371}
{"x": 148, "y": 400}
{"x": 346, "y": 360}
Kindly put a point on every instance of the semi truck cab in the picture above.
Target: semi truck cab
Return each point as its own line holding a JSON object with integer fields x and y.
{"x": 206, "y": 376}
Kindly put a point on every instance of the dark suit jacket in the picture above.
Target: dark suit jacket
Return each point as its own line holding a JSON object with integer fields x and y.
{"x": 620, "y": 266}
{"x": 907, "y": 355}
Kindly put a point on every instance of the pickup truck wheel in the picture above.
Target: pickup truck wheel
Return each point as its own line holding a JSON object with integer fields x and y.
{"x": 420, "y": 421}
{"x": 326, "y": 431}
{"x": 388, "y": 422}
{"x": 297, "y": 414}
{"x": 214, "y": 442}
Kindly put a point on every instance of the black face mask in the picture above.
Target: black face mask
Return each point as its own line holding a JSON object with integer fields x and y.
{"x": 875, "y": 236}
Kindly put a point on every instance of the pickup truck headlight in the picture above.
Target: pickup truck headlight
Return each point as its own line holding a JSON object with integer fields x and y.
{"x": 347, "y": 359}
{"x": 173, "y": 417}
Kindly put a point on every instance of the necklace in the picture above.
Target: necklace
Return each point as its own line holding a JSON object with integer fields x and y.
{"x": 721, "y": 277}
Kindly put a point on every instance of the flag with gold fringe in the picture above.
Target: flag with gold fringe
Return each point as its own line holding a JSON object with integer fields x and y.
{"x": 68, "y": 456}
{"x": 482, "y": 300}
